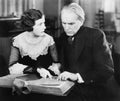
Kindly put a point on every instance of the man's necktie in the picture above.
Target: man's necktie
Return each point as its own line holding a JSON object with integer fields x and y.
{"x": 70, "y": 39}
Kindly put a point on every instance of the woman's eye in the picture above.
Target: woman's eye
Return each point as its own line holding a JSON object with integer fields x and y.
{"x": 41, "y": 24}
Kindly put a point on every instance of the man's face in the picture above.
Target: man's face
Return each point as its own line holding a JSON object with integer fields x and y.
{"x": 39, "y": 27}
{"x": 70, "y": 22}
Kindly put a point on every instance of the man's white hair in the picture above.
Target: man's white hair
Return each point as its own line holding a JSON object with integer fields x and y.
{"x": 77, "y": 9}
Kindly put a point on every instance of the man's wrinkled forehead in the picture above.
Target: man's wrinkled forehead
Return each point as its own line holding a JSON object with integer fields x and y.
{"x": 76, "y": 10}
{"x": 68, "y": 15}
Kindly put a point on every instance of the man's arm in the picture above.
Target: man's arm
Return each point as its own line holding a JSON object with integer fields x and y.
{"x": 102, "y": 58}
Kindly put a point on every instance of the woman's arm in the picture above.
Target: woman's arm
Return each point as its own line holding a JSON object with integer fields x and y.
{"x": 55, "y": 67}
{"x": 53, "y": 52}
{"x": 14, "y": 56}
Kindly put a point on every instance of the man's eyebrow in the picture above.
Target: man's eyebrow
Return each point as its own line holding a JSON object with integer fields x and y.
{"x": 68, "y": 23}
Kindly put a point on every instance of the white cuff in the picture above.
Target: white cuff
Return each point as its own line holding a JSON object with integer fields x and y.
{"x": 79, "y": 78}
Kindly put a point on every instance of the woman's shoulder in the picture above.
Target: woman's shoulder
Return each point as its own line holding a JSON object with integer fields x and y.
{"x": 19, "y": 39}
{"x": 49, "y": 36}
{"x": 21, "y": 35}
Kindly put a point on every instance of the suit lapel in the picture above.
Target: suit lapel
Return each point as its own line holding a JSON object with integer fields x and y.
{"x": 79, "y": 43}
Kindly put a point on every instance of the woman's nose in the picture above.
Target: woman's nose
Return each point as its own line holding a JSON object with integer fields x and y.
{"x": 44, "y": 26}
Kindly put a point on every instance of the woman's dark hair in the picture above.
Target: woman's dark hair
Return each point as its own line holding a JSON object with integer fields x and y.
{"x": 29, "y": 17}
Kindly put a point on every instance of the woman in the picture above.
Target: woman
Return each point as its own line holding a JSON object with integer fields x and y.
{"x": 33, "y": 50}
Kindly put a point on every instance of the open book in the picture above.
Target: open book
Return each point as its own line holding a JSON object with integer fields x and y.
{"x": 46, "y": 86}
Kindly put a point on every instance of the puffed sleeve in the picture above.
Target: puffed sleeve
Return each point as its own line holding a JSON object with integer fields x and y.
{"x": 16, "y": 42}
{"x": 51, "y": 41}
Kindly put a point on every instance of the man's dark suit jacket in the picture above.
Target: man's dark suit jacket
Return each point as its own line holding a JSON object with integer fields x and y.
{"x": 89, "y": 55}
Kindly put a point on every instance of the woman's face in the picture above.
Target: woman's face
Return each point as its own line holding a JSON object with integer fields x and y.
{"x": 39, "y": 27}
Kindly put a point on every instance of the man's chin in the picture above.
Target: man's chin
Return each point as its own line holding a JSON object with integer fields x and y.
{"x": 69, "y": 34}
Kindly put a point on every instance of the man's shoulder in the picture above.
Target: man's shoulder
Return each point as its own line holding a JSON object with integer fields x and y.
{"x": 90, "y": 31}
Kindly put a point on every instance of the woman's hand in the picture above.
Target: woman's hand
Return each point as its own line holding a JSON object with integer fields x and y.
{"x": 67, "y": 75}
{"x": 55, "y": 67}
{"x": 44, "y": 73}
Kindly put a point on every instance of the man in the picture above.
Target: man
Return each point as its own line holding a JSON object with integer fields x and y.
{"x": 116, "y": 57}
{"x": 86, "y": 57}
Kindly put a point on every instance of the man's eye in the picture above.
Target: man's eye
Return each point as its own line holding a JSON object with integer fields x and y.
{"x": 64, "y": 23}
{"x": 71, "y": 23}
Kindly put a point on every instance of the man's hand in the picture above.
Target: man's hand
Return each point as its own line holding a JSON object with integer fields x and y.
{"x": 55, "y": 67}
{"x": 44, "y": 73}
{"x": 67, "y": 75}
